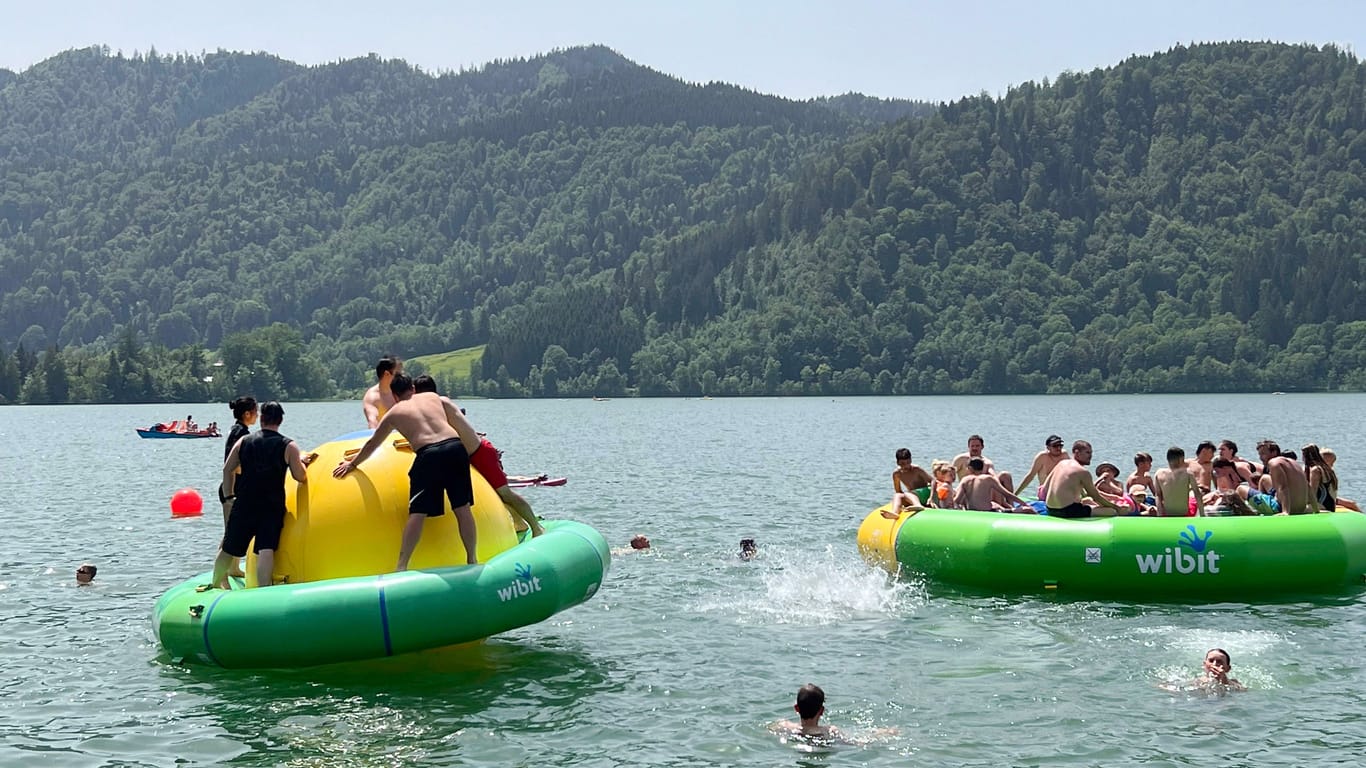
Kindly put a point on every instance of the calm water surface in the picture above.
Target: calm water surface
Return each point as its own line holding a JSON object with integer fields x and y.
{"x": 687, "y": 653}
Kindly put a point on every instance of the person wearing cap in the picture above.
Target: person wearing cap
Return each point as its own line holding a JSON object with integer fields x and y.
{"x": 1044, "y": 463}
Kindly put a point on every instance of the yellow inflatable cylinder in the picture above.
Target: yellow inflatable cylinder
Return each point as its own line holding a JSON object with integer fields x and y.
{"x": 353, "y": 526}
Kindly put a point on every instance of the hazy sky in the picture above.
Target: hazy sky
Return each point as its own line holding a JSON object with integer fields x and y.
{"x": 920, "y": 50}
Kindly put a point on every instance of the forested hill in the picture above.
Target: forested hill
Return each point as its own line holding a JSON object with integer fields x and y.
{"x": 369, "y": 205}
{"x": 1190, "y": 220}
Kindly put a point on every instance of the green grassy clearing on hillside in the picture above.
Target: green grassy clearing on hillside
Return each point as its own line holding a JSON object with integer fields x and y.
{"x": 447, "y": 367}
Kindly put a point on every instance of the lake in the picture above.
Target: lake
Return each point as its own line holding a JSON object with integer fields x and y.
{"x": 687, "y": 653}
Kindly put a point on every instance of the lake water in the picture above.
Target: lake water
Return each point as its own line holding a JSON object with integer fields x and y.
{"x": 687, "y": 653}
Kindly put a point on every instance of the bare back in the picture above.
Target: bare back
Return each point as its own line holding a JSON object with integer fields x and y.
{"x": 424, "y": 419}
{"x": 1292, "y": 488}
{"x": 977, "y": 491}
{"x": 1174, "y": 489}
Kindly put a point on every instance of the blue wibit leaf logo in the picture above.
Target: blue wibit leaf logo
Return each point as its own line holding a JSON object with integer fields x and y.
{"x": 523, "y": 571}
{"x": 1190, "y": 538}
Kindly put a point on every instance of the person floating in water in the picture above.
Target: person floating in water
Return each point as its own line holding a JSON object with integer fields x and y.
{"x": 748, "y": 549}
{"x": 1216, "y": 668}
{"x": 810, "y": 706}
{"x": 85, "y": 574}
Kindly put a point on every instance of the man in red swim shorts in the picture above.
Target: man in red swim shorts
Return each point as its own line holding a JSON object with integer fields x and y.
{"x": 488, "y": 461}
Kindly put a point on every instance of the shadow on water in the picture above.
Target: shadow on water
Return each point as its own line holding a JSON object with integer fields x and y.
{"x": 400, "y": 710}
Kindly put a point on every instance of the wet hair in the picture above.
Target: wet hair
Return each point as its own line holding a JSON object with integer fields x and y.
{"x": 977, "y": 465}
{"x": 88, "y": 568}
{"x": 1291, "y": 455}
{"x": 1204, "y": 444}
{"x": 748, "y": 545}
{"x": 903, "y": 453}
{"x": 810, "y": 701}
{"x": 1141, "y": 457}
{"x": 639, "y": 541}
{"x": 386, "y": 364}
{"x": 1081, "y": 444}
{"x": 424, "y": 383}
{"x": 1229, "y": 444}
{"x": 272, "y": 413}
{"x": 1227, "y": 657}
{"x": 242, "y": 406}
{"x": 400, "y": 384}
{"x": 1177, "y": 452}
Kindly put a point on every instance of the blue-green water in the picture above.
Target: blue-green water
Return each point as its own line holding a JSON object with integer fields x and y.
{"x": 687, "y": 653}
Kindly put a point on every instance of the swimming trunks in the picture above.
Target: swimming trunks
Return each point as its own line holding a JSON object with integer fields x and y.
{"x": 438, "y": 467}
{"x": 1264, "y": 504}
{"x": 1074, "y": 510}
{"x": 489, "y": 463}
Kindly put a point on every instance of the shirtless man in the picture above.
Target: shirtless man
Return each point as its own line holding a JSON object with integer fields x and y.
{"x": 378, "y": 399}
{"x": 1175, "y": 485}
{"x": 1044, "y": 462}
{"x": 978, "y": 490}
{"x": 1226, "y": 479}
{"x": 906, "y": 478}
{"x": 443, "y": 440}
{"x": 1143, "y": 465}
{"x": 1070, "y": 483}
{"x": 1247, "y": 470}
{"x": 1202, "y": 466}
{"x": 1287, "y": 482}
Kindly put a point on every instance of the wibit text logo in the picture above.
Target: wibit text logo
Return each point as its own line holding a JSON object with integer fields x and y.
{"x": 1176, "y": 560}
{"x": 521, "y": 586}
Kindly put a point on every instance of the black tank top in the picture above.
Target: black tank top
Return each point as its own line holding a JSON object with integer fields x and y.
{"x": 239, "y": 431}
{"x": 262, "y": 457}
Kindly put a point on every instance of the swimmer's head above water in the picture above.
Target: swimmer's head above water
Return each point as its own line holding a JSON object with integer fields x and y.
{"x": 640, "y": 541}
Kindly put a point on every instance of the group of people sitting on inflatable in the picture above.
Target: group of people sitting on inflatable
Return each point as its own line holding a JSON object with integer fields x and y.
{"x": 1217, "y": 482}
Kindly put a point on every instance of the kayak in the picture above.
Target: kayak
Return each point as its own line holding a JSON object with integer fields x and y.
{"x": 1207, "y": 558}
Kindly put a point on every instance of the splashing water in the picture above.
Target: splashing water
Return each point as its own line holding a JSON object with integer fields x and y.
{"x": 795, "y": 587}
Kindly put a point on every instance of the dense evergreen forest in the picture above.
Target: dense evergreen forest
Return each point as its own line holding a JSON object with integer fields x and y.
{"x": 1186, "y": 221}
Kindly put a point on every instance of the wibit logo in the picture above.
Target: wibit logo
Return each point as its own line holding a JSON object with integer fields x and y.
{"x": 1176, "y": 560}
{"x": 524, "y": 584}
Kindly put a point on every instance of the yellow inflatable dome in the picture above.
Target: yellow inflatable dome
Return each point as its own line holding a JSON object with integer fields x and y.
{"x": 352, "y": 526}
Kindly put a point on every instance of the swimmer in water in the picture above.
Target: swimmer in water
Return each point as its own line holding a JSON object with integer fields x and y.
{"x": 85, "y": 574}
{"x": 810, "y": 706}
{"x": 748, "y": 549}
{"x": 1215, "y": 678}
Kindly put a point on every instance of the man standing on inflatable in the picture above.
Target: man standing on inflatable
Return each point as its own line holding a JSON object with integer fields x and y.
{"x": 443, "y": 440}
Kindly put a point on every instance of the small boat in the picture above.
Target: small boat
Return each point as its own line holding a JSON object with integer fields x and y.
{"x": 175, "y": 430}
{"x": 527, "y": 481}
{"x": 1146, "y": 558}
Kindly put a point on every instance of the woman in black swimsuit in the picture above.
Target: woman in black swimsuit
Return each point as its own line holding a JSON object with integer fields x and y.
{"x": 1323, "y": 481}
{"x": 244, "y": 413}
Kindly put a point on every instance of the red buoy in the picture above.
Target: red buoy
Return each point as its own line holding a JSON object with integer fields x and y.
{"x": 186, "y": 503}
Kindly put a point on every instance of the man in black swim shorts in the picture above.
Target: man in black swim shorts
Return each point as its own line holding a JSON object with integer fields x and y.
{"x": 1069, "y": 484}
{"x": 443, "y": 439}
